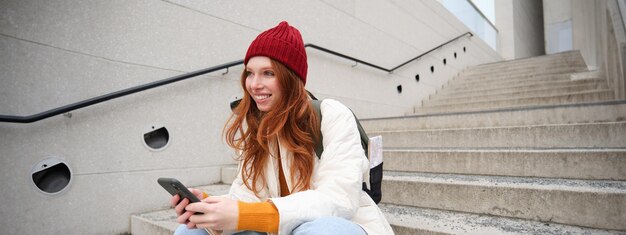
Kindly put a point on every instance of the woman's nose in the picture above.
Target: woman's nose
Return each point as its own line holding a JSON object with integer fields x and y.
{"x": 256, "y": 82}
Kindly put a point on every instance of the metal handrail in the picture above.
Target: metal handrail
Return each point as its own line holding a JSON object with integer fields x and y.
{"x": 423, "y": 54}
{"x": 135, "y": 89}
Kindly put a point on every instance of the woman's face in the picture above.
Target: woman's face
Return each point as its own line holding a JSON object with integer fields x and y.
{"x": 262, "y": 83}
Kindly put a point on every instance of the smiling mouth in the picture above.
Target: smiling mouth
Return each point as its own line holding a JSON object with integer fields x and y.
{"x": 261, "y": 97}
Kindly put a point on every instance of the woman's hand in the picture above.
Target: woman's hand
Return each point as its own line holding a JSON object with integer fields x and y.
{"x": 219, "y": 213}
{"x": 179, "y": 207}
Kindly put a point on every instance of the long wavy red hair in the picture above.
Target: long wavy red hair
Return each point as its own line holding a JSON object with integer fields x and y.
{"x": 292, "y": 121}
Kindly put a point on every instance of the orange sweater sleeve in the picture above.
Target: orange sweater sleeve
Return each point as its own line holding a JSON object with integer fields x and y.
{"x": 258, "y": 216}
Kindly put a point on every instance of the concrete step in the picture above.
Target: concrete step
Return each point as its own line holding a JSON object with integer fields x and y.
{"x": 574, "y": 58}
{"x": 404, "y": 220}
{"x": 443, "y": 99}
{"x": 592, "y": 164}
{"x": 588, "y": 135}
{"x": 407, "y": 220}
{"x": 568, "y": 98}
{"x": 548, "y": 96}
{"x": 585, "y": 203}
{"x": 162, "y": 221}
{"x": 552, "y": 114}
{"x": 500, "y": 74}
{"x": 534, "y": 67}
{"x": 538, "y": 63}
{"x": 473, "y": 91}
{"x": 574, "y": 74}
{"x": 461, "y": 83}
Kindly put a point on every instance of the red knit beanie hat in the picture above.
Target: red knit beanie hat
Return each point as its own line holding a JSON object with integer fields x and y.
{"x": 284, "y": 44}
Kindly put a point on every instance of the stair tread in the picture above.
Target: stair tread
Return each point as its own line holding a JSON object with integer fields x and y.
{"x": 528, "y": 70}
{"x": 515, "y": 74}
{"x": 441, "y": 221}
{"x": 619, "y": 123}
{"x": 426, "y": 112}
{"x": 518, "y": 94}
{"x": 517, "y": 87}
{"x": 604, "y": 186}
{"x": 571, "y": 55}
{"x": 486, "y": 113}
{"x": 526, "y": 150}
{"x": 570, "y": 163}
{"x": 469, "y": 101}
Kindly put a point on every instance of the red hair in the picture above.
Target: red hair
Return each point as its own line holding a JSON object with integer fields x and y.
{"x": 292, "y": 120}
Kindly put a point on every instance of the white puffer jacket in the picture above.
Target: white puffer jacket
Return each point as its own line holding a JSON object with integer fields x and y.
{"x": 336, "y": 181}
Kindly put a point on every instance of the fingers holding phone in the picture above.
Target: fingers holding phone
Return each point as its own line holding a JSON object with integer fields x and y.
{"x": 178, "y": 192}
{"x": 199, "y": 193}
{"x": 175, "y": 200}
{"x": 216, "y": 212}
{"x": 184, "y": 215}
{"x": 180, "y": 207}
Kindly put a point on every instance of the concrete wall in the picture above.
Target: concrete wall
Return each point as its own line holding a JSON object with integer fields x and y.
{"x": 614, "y": 50}
{"x": 505, "y": 22}
{"x": 596, "y": 29}
{"x": 557, "y": 18}
{"x": 576, "y": 25}
{"x": 57, "y": 52}
{"x": 585, "y": 20}
{"x": 520, "y": 25}
{"x": 529, "y": 28}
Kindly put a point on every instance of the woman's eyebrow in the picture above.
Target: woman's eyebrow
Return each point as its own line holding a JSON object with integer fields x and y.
{"x": 262, "y": 68}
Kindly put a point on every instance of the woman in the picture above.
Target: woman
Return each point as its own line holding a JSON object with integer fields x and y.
{"x": 282, "y": 187}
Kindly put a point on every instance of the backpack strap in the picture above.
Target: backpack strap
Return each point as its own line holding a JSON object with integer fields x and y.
{"x": 365, "y": 140}
{"x": 319, "y": 147}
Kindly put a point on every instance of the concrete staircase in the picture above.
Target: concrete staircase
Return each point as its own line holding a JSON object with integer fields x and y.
{"x": 515, "y": 147}
{"x": 544, "y": 80}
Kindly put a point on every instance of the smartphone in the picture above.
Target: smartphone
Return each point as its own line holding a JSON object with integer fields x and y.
{"x": 173, "y": 186}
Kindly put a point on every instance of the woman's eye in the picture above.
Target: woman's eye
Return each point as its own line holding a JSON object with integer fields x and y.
{"x": 248, "y": 73}
{"x": 269, "y": 73}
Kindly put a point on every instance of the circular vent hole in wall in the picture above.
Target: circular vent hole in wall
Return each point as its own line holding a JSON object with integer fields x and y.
{"x": 51, "y": 176}
{"x": 156, "y": 137}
